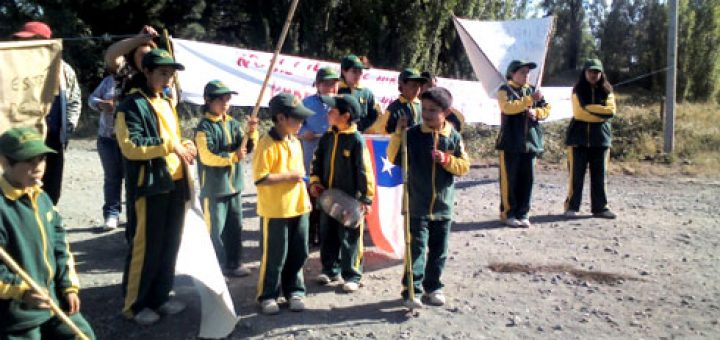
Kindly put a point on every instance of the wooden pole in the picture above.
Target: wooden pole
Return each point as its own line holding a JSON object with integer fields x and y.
{"x": 278, "y": 47}
{"x": 671, "y": 78}
{"x": 10, "y": 262}
{"x": 406, "y": 220}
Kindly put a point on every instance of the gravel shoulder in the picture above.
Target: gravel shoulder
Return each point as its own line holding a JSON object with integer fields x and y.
{"x": 652, "y": 273}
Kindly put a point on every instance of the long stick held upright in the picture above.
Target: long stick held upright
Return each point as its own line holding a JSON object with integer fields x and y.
{"x": 406, "y": 220}
{"x": 10, "y": 262}
{"x": 278, "y": 47}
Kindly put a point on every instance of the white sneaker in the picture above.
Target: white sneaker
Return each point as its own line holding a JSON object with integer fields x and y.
{"x": 350, "y": 287}
{"x": 172, "y": 307}
{"x": 322, "y": 279}
{"x": 269, "y": 307}
{"x": 111, "y": 223}
{"x": 570, "y": 213}
{"x": 413, "y": 304}
{"x": 524, "y": 223}
{"x": 511, "y": 222}
{"x": 146, "y": 317}
{"x": 436, "y": 298}
{"x": 297, "y": 304}
{"x": 240, "y": 271}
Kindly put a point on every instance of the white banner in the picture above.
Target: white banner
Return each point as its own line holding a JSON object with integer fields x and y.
{"x": 244, "y": 71}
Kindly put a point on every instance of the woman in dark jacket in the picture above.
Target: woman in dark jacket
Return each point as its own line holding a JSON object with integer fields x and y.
{"x": 588, "y": 139}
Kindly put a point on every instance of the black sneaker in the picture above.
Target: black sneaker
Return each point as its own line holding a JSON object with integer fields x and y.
{"x": 605, "y": 214}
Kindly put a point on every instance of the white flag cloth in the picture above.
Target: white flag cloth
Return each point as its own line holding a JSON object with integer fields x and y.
{"x": 196, "y": 258}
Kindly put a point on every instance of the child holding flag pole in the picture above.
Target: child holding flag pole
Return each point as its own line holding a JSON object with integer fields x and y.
{"x": 429, "y": 208}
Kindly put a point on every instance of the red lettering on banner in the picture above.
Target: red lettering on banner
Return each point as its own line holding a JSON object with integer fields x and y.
{"x": 242, "y": 62}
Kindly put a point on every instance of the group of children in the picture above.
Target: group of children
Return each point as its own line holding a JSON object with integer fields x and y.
{"x": 424, "y": 137}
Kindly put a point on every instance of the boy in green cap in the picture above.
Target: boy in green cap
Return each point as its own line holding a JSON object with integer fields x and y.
{"x": 435, "y": 155}
{"x": 351, "y": 73}
{"x": 410, "y": 82}
{"x": 148, "y": 132}
{"x": 326, "y": 82}
{"x": 283, "y": 205}
{"x": 31, "y": 232}
{"x": 342, "y": 161}
{"x": 218, "y": 138}
{"x": 519, "y": 142}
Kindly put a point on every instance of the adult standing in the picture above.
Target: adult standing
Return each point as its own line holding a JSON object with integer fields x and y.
{"x": 102, "y": 99}
{"x": 351, "y": 73}
{"x": 62, "y": 118}
{"x": 588, "y": 140}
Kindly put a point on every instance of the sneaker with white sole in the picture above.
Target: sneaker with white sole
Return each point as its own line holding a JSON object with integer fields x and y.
{"x": 350, "y": 287}
{"x": 172, "y": 307}
{"x": 524, "y": 223}
{"x": 146, "y": 317}
{"x": 436, "y": 298}
{"x": 605, "y": 214}
{"x": 111, "y": 223}
{"x": 511, "y": 222}
{"x": 570, "y": 213}
{"x": 269, "y": 307}
{"x": 297, "y": 304}
{"x": 240, "y": 271}
{"x": 324, "y": 279}
{"x": 413, "y": 303}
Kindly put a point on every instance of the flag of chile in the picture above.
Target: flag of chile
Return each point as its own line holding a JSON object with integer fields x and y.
{"x": 385, "y": 223}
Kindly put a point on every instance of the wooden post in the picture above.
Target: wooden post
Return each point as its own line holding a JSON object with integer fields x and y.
{"x": 670, "y": 82}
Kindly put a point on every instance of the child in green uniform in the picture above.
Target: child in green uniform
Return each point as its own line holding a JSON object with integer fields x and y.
{"x": 435, "y": 155}
{"x": 519, "y": 142}
{"x": 342, "y": 161}
{"x": 410, "y": 82}
{"x": 283, "y": 205}
{"x": 148, "y": 132}
{"x": 588, "y": 139}
{"x": 31, "y": 232}
{"x": 218, "y": 138}
{"x": 351, "y": 73}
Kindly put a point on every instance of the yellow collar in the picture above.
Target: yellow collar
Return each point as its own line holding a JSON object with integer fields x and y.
{"x": 350, "y": 130}
{"x": 445, "y": 131}
{"x": 216, "y": 118}
{"x": 13, "y": 193}
{"x": 343, "y": 84}
{"x": 404, "y": 100}
{"x": 516, "y": 85}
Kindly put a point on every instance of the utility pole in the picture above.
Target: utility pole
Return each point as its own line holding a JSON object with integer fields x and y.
{"x": 670, "y": 81}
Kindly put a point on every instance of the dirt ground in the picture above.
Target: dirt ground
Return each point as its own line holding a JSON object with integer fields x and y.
{"x": 652, "y": 273}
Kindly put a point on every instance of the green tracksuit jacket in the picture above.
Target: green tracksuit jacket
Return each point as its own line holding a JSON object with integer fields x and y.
{"x": 342, "y": 161}
{"x": 31, "y": 232}
{"x": 430, "y": 185}
{"x": 219, "y": 168}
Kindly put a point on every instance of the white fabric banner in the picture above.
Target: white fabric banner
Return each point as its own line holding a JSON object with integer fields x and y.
{"x": 244, "y": 71}
{"x": 197, "y": 259}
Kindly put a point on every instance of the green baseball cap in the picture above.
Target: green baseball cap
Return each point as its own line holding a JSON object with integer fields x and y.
{"x": 160, "y": 57}
{"x": 411, "y": 74}
{"x": 327, "y": 73}
{"x": 345, "y": 103}
{"x": 216, "y": 88}
{"x": 352, "y": 61}
{"x": 290, "y": 105}
{"x": 518, "y": 64}
{"x": 21, "y": 144}
{"x": 593, "y": 64}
